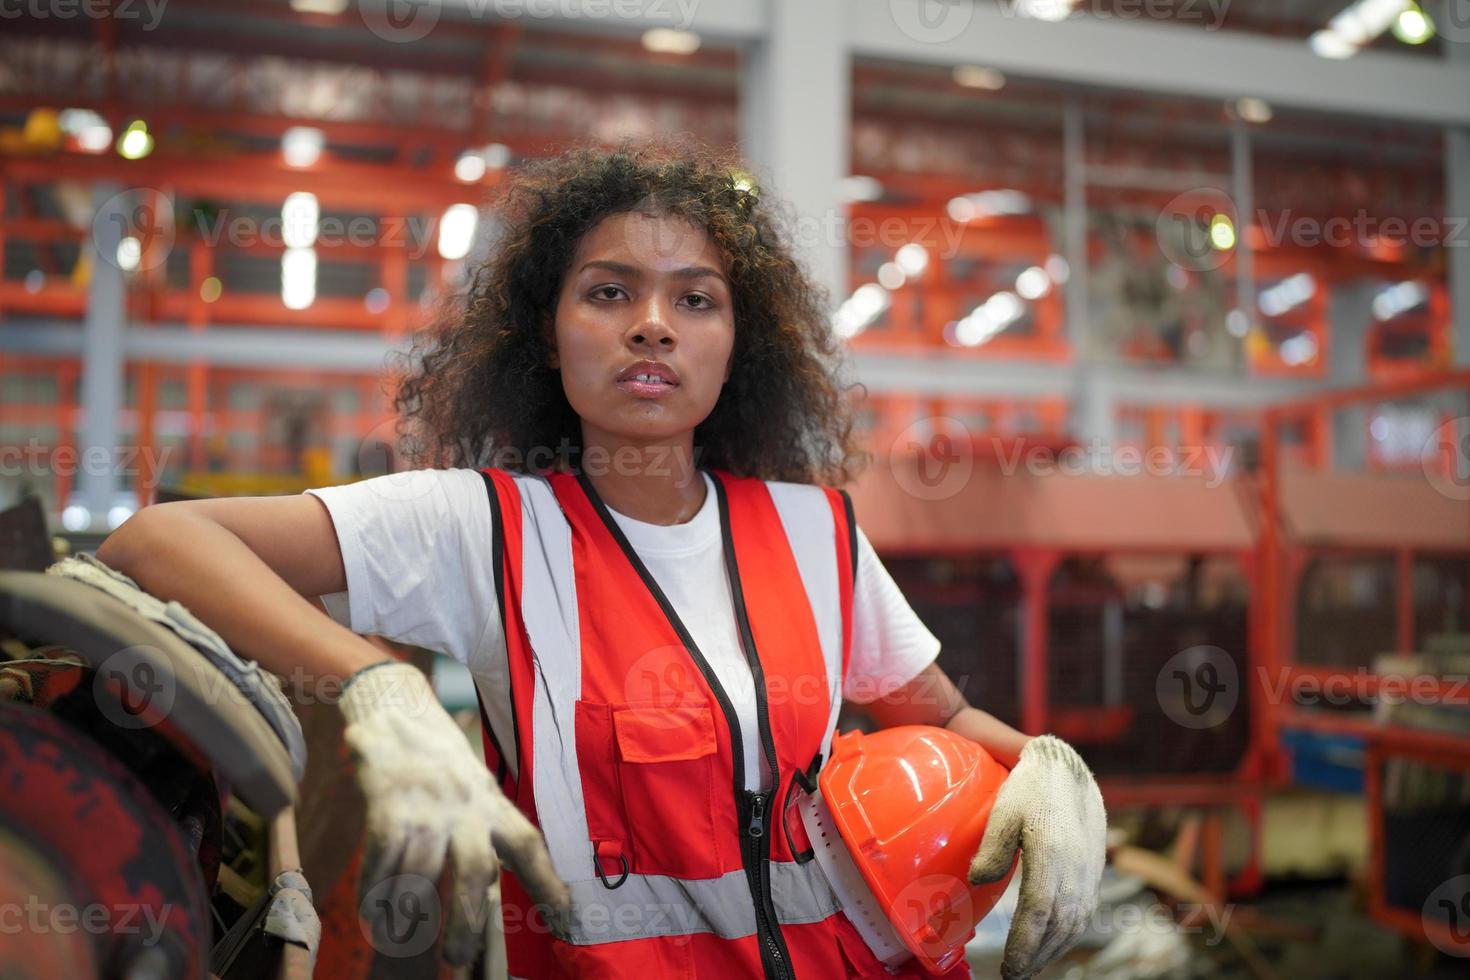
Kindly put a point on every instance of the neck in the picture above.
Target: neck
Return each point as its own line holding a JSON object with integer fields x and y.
{"x": 656, "y": 482}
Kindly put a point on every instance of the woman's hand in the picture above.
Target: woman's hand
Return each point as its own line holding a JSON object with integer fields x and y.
{"x": 1050, "y": 808}
{"x": 428, "y": 798}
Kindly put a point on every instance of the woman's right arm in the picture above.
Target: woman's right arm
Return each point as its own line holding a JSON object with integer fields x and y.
{"x": 246, "y": 567}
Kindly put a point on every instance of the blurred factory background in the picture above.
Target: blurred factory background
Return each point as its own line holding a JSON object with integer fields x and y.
{"x": 1162, "y": 309}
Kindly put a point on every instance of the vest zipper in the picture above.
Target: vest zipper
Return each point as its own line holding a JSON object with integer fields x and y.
{"x": 755, "y": 847}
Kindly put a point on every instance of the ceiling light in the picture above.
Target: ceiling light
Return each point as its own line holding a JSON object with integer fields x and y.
{"x": 973, "y": 76}
{"x": 666, "y": 40}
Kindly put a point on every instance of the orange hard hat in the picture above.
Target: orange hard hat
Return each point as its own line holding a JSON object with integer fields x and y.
{"x": 897, "y": 817}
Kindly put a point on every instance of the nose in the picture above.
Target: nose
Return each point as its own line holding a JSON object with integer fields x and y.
{"x": 652, "y": 325}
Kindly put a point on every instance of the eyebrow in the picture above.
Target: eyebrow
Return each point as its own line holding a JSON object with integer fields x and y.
{"x": 632, "y": 272}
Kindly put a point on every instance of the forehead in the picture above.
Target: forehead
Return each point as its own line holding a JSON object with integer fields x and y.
{"x": 658, "y": 242}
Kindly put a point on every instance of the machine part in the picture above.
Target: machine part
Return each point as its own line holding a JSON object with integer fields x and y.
{"x": 909, "y": 805}
{"x": 258, "y": 688}
{"x": 147, "y": 676}
{"x": 132, "y": 882}
{"x": 28, "y": 878}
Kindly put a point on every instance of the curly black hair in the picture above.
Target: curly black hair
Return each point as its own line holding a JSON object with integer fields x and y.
{"x": 478, "y": 389}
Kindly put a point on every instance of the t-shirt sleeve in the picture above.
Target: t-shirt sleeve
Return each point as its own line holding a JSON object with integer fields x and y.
{"x": 890, "y": 645}
{"x": 416, "y": 547}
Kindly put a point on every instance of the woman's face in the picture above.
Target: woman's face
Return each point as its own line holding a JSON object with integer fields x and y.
{"x": 644, "y": 329}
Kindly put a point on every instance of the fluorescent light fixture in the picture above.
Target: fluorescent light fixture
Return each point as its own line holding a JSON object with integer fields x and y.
{"x": 298, "y": 278}
{"x": 987, "y": 204}
{"x": 302, "y": 145}
{"x": 1052, "y": 10}
{"x": 1299, "y": 350}
{"x": 890, "y": 275}
{"x": 1287, "y": 294}
{"x": 859, "y": 188}
{"x": 1361, "y": 23}
{"x": 76, "y": 518}
{"x": 90, "y": 130}
{"x": 859, "y": 310}
{"x": 457, "y": 231}
{"x": 1253, "y": 110}
{"x": 300, "y": 216}
{"x": 988, "y": 319}
{"x": 913, "y": 259}
{"x": 666, "y": 40}
{"x": 136, "y": 142}
{"x": 129, "y": 254}
{"x": 1033, "y": 283}
{"x": 1397, "y": 299}
{"x": 319, "y": 6}
{"x": 974, "y": 76}
{"x": 470, "y": 167}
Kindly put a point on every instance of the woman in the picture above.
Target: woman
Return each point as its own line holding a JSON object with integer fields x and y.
{"x": 661, "y": 604}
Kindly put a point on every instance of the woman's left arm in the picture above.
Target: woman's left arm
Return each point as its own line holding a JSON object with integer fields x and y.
{"x": 1049, "y": 808}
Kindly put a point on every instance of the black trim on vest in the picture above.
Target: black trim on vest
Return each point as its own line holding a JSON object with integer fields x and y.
{"x": 852, "y": 545}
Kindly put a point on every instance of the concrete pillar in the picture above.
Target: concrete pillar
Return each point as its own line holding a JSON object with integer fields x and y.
{"x": 796, "y": 121}
{"x": 1457, "y": 249}
{"x": 1350, "y": 317}
{"x": 102, "y": 361}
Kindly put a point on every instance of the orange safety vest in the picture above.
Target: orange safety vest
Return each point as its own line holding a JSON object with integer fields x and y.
{"x": 627, "y": 749}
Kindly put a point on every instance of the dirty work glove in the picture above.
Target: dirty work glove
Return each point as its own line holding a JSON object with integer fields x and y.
{"x": 1051, "y": 809}
{"x": 428, "y": 797}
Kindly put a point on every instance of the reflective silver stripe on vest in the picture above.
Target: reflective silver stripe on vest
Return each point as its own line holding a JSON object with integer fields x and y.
{"x": 645, "y": 906}
{"x": 807, "y": 519}
{"x": 650, "y": 905}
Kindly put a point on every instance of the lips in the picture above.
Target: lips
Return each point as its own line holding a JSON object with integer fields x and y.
{"x": 648, "y": 379}
{"x": 649, "y": 372}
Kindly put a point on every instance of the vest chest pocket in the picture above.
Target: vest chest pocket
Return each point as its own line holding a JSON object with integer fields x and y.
{"x": 648, "y": 781}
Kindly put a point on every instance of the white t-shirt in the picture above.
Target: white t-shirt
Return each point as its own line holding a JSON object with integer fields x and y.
{"x": 416, "y": 547}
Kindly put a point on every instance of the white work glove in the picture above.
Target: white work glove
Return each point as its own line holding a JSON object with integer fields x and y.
{"x": 1051, "y": 808}
{"x": 429, "y": 797}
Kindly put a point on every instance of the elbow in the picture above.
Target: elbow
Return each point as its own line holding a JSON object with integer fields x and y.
{"x": 123, "y": 549}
